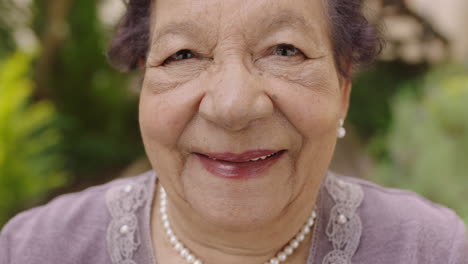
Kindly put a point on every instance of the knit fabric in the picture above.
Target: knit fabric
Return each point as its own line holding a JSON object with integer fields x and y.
{"x": 384, "y": 226}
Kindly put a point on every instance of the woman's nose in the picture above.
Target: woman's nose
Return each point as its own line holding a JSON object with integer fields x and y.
{"x": 235, "y": 98}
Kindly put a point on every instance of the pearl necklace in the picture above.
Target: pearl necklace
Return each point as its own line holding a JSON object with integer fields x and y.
{"x": 191, "y": 258}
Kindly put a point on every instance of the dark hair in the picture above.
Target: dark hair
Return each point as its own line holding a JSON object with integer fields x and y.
{"x": 355, "y": 41}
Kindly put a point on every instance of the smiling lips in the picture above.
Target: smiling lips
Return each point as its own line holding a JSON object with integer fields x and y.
{"x": 236, "y": 166}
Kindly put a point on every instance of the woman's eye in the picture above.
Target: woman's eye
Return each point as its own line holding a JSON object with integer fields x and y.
{"x": 181, "y": 55}
{"x": 286, "y": 50}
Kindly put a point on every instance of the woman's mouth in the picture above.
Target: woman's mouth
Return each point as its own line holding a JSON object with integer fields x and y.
{"x": 236, "y": 166}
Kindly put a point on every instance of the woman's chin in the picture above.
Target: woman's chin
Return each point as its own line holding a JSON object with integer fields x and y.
{"x": 237, "y": 214}
{"x": 242, "y": 202}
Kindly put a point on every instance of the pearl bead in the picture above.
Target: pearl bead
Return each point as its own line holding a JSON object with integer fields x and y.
{"x": 342, "y": 219}
{"x": 314, "y": 214}
{"x": 189, "y": 258}
{"x": 282, "y": 257}
{"x": 274, "y": 261}
{"x": 294, "y": 244}
{"x": 128, "y": 188}
{"x": 341, "y": 183}
{"x": 184, "y": 253}
{"x": 306, "y": 230}
{"x": 341, "y": 132}
{"x": 124, "y": 229}
{"x": 173, "y": 240}
{"x": 178, "y": 246}
{"x": 300, "y": 237}
{"x": 310, "y": 222}
{"x": 197, "y": 262}
{"x": 288, "y": 250}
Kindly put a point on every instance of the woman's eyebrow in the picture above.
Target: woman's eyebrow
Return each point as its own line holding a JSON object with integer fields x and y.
{"x": 282, "y": 19}
{"x": 268, "y": 24}
{"x": 189, "y": 28}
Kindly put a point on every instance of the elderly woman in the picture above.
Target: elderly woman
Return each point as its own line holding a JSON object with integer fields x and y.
{"x": 241, "y": 106}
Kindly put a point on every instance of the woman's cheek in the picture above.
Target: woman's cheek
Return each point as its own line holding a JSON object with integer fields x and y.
{"x": 166, "y": 107}
{"x": 307, "y": 95}
{"x": 155, "y": 120}
{"x": 160, "y": 81}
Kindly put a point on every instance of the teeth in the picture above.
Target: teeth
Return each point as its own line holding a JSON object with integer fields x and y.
{"x": 263, "y": 157}
{"x": 256, "y": 159}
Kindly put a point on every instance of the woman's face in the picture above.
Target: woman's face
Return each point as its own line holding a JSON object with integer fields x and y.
{"x": 234, "y": 80}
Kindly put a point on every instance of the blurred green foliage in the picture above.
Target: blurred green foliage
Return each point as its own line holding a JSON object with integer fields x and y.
{"x": 370, "y": 108}
{"x": 428, "y": 139}
{"x": 7, "y": 43}
{"x": 89, "y": 114}
{"x": 30, "y": 164}
{"x": 98, "y": 116}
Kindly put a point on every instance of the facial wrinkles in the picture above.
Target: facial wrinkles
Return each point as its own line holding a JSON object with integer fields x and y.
{"x": 232, "y": 47}
{"x": 312, "y": 75}
{"x": 207, "y": 32}
{"x": 183, "y": 25}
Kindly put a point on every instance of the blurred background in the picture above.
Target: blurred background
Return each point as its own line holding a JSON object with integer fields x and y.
{"x": 69, "y": 121}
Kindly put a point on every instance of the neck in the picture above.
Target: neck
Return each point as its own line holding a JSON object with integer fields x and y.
{"x": 217, "y": 244}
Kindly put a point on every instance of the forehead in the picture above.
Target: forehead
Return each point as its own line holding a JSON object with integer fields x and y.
{"x": 245, "y": 16}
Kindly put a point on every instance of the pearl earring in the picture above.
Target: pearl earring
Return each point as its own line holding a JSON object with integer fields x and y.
{"x": 341, "y": 131}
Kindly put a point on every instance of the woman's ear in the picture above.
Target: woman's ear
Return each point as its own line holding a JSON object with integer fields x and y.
{"x": 141, "y": 63}
{"x": 345, "y": 88}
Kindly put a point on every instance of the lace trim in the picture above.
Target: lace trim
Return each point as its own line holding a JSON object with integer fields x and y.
{"x": 343, "y": 230}
{"x": 123, "y": 238}
{"x": 344, "y": 227}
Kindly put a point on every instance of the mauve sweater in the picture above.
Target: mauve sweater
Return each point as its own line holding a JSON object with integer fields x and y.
{"x": 383, "y": 226}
